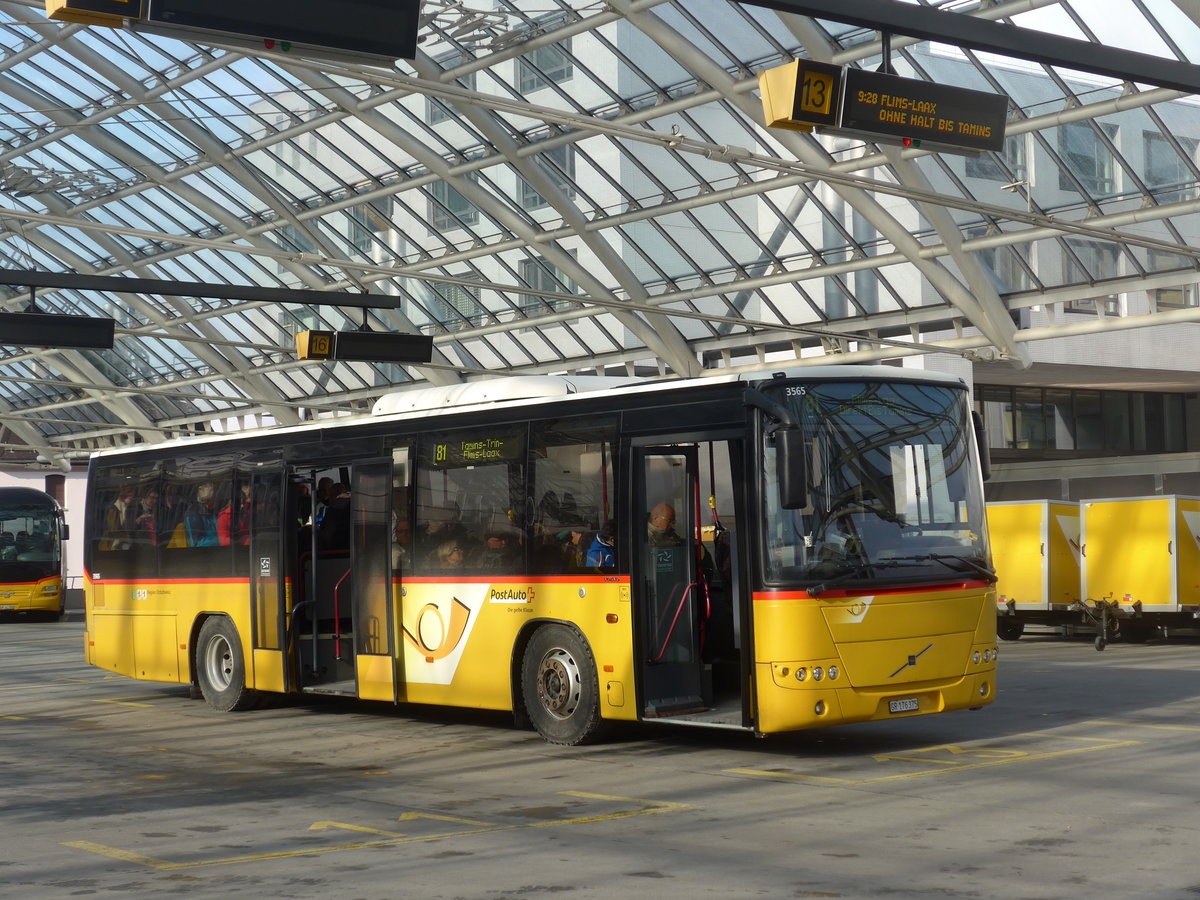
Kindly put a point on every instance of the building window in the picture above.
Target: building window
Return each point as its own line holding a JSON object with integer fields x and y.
{"x": 458, "y": 305}
{"x": 1008, "y": 164}
{"x": 1085, "y": 155}
{"x": 541, "y": 275}
{"x": 299, "y": 239}
{"x": 1185, "y": 296}
{"x": 545, "y": 66}
{"x": 448, "y": 208}
{"x": 1087, "y": 262}
{"x": 1168, "y": 176}
{"x": 1056, "y": 422}
{"x": 435, "y": 109}
{"x": 1003, "y": 264}
{"x": 366, "y": 221}
{"x": 558, "y": 163}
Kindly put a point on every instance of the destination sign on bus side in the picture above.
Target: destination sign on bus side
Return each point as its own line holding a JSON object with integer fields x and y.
{"x": 460, "y": 450}
{"x": 878, "y": 103}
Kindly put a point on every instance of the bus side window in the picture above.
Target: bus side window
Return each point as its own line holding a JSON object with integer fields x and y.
{"x": 469, "y": 483}
{"x": 574, "y": 483}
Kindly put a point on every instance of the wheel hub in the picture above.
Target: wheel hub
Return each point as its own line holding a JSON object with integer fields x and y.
{"x": 558, "y": 684}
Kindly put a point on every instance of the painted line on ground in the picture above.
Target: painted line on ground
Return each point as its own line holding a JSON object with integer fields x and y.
{"x": 991, "y": 758}
{"x": 390, "y": 839}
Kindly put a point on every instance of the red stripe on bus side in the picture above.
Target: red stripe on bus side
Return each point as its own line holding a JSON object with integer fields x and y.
{"x": 865, "y": 592}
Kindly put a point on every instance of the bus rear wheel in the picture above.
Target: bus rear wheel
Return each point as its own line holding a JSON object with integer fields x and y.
{"x": 558, "y": 684}
{"x": 220, "y": 666}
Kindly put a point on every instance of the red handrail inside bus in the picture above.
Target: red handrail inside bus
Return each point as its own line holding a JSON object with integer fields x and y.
{"x": 337, "y": 618}
{"x": 662, "y": 651}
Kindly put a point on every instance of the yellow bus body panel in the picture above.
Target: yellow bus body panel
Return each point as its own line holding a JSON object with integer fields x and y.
{"x": 890, "y": 647}
{"x": 457, "y": 639}
{"x": 376, "y": 677}
{"x": 43, "y": 595}
{"x": 1143, "y": 550}
{"x": 144, "y": 629}
{"x": 1036, "y": 552}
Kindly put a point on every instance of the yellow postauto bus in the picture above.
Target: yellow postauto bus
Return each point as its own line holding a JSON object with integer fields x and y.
{"x": 31, "y": 552}
{"x": 767, "y": 555}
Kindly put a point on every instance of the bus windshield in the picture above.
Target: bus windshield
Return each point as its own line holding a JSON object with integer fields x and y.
{"x": 29, "y": 546}
{"x": 893, "y": 490}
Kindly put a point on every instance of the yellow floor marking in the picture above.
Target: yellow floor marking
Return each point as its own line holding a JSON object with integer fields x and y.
{"x": 14, "y": 718}
{"x": 964, "y": 767}
{"x": 1146, "y": 725}
{"x": 322, "y": 826}
{"x": 650, "y": 807}
{"x": 130, "y": 701}
{"x": 407, "y": 817}
{"x": 413, "y": 816}
{"x": 121, "y": 854}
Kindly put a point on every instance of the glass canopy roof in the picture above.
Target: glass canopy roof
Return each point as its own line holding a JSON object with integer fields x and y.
{"x": 563, "y": 187}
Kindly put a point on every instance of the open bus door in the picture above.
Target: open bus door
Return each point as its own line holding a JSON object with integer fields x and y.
{"x": 673, "y": 602}
{"x": 689, "y": 579}
{"x": 341, "y": 627}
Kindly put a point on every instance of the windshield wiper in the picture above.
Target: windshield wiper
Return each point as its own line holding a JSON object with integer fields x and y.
{"x": 859, "y": 569}
{"x": 948, "y": 560}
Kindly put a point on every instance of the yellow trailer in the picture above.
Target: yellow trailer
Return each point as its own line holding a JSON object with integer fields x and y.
{"x": 1036, "y": 553}
{"x": 1141, "y": 564}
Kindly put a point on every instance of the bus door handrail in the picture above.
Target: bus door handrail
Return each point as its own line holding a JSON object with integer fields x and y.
{"x": 337, "y": 618}
{"x": 662, "y": 651}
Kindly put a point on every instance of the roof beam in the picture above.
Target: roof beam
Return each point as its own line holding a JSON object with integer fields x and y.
{"x": 253, "y": 293}
{"x": 998, "y": 37}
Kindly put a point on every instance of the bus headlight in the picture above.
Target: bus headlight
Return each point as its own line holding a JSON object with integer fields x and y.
{"x": 818, "y": 673}
{"x": 975, "y": 657}
{"x": 833, "y": 672}
{"x": 801, "y": 673}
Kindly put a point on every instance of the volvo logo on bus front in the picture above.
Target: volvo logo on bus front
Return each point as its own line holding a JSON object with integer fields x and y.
{"x": 911, "y": 661}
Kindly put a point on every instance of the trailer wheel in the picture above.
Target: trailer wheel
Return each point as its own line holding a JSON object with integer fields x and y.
{"x": 558, "y": 683}
{"x": 1009, "y": 629}
{"x": 1101, "y": 642}
{"x": 220, "y": 666}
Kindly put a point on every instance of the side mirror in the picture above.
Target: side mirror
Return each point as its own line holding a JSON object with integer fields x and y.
{"x": 791, "y": 465}
{"x": 66, "y": 531}
{"x": 981, "y": 445}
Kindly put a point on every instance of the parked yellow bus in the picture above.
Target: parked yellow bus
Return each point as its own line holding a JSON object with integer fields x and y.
{"x": 31, "y": 553}
{"x": 765, "y": 555}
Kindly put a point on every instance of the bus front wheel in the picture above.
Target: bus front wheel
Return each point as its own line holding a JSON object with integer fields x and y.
{"x": 220, "y": 666}
{"x": 558, "y": 684}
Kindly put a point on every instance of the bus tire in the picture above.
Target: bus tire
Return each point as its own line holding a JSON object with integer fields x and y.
{"x": 221, "y": 667}
{"x": 558, "y": 684}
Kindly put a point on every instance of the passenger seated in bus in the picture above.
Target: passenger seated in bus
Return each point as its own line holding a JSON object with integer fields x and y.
{"x": 602, "y": 553}
{"x": 147, "y": 520}
{"x": 230, "y": 520}
{"x": 173, "y": 508}
{"x": 501, "y": 550}
{"x": 118, "y": 521}
{"x": 450, "y": 555}
{"x": 573, "y": 547}
{"x": 8, "y": 545}
{"x": 200, "y": 523}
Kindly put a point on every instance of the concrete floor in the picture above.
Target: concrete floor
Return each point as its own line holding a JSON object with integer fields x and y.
{"x": 1080, "y": 781}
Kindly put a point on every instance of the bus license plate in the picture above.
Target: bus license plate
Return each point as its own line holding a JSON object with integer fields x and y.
{"x": 909, "y": 704}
